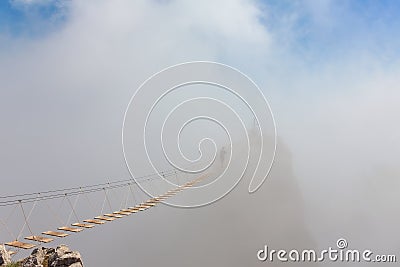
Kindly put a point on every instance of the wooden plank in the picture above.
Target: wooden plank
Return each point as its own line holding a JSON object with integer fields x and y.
{"x": 135, "y": 211}
{"x": 94, "y": 221}
{"x": 39, "y": 238}
{"x": 18, "y": 244}
{"x": 140, "y": 207}
{"x": 57, "y": 234}
{"x": 145, "y": 206}
{"x": 70, "y": 229}
{"x": 108, "y": 219}
{"x": 83, "y": 225}
{"x": 113, "y": 215}
{"x": 122, "y": 213}
{"x": 150, "y": 204}
{"x": 126, "y": 210}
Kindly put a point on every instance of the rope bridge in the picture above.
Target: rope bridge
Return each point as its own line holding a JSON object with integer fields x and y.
{"x": 20, "y": 201}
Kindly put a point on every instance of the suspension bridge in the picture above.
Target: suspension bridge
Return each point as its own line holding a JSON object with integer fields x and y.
{"x": 69, "y": 198}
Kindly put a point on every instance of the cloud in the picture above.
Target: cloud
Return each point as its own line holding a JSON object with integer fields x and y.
{"x": 331, "y": 78}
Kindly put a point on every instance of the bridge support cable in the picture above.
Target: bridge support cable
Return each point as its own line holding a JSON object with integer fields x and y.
{"x": 26, "y": 218}
{"x": 111, "y": 214}
{"x": 4, "y": 223}
{"x": 104, "y": 202}
{"x": 112, "y": 192}
{"x": 32, "y": 237}
{"x": 125, "y": 206}
{"x": 66, "y": 227}
{"x": 73, "y": 211}
{"x": 108, "y": 200}
{"x": 55, "y": 215}
{"x": 101, "y": 217}
{"x": 133, "y": 198}
{"x": 122, "y": 199}
{"x": 19, "y": 244}
{"x": 58, "y": 219}
{"x": 91, "y": 206}
{"x": 139, "y": 197}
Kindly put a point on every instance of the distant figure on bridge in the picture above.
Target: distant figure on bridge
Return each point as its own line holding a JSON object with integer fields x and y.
{"x": 222, "y": 156}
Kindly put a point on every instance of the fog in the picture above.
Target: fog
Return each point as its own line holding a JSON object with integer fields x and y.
{"x": 64, "y": 94}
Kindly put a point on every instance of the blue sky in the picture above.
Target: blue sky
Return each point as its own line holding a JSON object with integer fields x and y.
{"x": 338, "y": 28}
{"x": 311, "y": 29}
{"x": 35, "y": 19}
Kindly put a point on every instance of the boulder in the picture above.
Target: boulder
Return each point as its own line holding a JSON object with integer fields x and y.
{"x": 61, "y": 256}
{"x": 5, "y": 257}
{"x": 64, "y": 257}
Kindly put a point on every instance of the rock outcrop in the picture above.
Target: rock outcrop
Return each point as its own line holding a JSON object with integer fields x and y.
{"x": 61, "y": 256}
{"x": 4, "y": 256}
